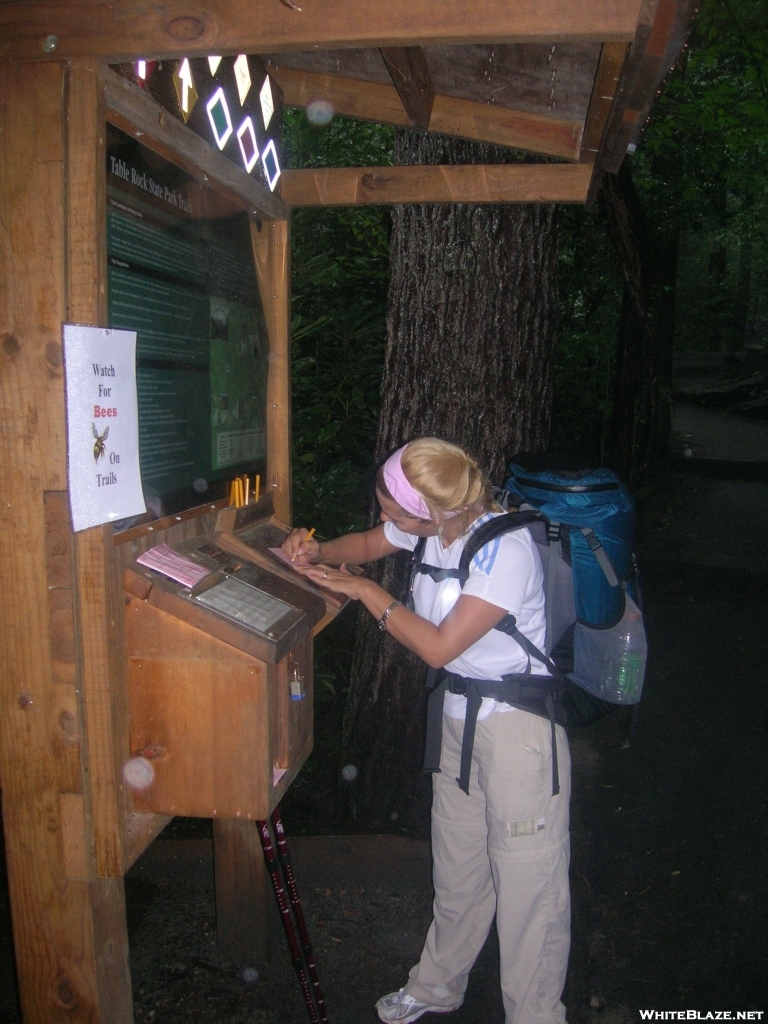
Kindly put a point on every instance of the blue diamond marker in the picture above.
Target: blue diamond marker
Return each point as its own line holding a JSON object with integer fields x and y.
{"x": 270, "y": 164}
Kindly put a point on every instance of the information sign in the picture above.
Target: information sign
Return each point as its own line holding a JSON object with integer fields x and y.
{"x": 180, "y": 272}
{"x": 102, "y": 425}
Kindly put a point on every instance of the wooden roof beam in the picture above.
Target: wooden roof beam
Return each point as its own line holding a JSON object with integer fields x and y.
{"x": 611, "y": 62}
{"x": 407, "y": 66}
{"x": 475, "y": 183}
{"x": 466, "y": 119}
{"x": 661, "y": 33}
{"x": 131, "y": 29}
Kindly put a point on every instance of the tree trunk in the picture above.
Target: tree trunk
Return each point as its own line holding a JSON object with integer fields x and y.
{"x": 664, "y": 304}
{"x": 741, "y": 306}
{"x": 469, "y": 356}
{"x": 640, "y": 423}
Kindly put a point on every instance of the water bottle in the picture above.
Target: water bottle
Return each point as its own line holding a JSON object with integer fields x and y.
{"x": 624, "y": 662}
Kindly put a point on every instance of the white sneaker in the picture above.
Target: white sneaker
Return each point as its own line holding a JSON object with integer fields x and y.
{"x": 400, "y": 1008}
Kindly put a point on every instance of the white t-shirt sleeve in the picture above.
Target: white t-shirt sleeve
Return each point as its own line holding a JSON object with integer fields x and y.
{"x": 398, "y": 538}
{"x": 506, "y": 573}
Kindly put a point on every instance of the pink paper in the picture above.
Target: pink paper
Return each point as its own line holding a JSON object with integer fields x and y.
{"x": 279, "y": 553}
{"x": 167, "y": 561}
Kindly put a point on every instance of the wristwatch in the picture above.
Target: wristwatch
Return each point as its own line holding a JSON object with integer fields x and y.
{"x": 388, "y": 611}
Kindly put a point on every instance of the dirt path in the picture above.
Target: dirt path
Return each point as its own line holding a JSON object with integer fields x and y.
{"x": 718, "y": 434}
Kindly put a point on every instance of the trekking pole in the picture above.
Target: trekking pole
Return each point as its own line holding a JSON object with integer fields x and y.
{"x": 290, "y": 883}
{"x": 285, "y": 915}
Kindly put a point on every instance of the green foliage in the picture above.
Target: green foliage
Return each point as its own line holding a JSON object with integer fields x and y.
{"x": 703, "y": 155}
{"x": 340, "y": 276}
{"x": 339, "y": 283}
{"x": 702, "y": 169}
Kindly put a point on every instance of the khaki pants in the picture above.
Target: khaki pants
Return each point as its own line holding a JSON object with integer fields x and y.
{"x": 503, "y": 849}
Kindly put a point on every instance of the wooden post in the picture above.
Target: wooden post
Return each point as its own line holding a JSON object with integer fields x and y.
{"x": 272, "y": 253}
{"x": 97, "y": 574}
{"x": 242, "y": 886}
{"x": 62, "y": 810}
{"x": 243, "y": 898}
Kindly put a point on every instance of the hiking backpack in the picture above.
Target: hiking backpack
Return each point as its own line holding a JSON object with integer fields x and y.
{"x": 581, "y": 520}
{"x": 595, "y": 630}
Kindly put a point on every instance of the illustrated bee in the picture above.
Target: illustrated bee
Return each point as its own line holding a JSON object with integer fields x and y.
{"x": 99, "y": 448}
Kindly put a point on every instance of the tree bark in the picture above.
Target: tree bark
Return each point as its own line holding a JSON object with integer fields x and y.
{"x": 469, "y": 357}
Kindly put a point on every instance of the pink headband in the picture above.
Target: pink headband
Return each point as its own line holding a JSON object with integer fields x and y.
{"x": 402, "y": 491}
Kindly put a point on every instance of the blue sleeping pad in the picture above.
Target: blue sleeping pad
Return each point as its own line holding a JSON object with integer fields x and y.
{"x": 569, "y": 492}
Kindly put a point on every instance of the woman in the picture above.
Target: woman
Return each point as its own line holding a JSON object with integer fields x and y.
{"x": 502, "y": 848}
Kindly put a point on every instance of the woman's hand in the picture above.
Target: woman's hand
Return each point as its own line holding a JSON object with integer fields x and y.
{"x": 340, "y": 581}
{"x": 300, "y": 550}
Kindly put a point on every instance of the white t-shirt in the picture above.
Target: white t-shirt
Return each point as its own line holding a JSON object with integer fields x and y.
{"x": 505, "y": 572}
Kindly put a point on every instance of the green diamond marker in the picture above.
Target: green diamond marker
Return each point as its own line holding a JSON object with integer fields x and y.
{"x": 218, "y": 115}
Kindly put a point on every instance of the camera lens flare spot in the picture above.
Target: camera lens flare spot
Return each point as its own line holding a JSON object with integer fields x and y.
{"x": 319, "y": 112}
{"x": 138, "y": 773}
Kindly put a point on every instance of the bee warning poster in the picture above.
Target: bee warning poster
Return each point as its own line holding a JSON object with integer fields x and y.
{"x": 102, "y": 425}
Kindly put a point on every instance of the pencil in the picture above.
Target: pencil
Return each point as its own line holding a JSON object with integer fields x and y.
{"x": 308, "y": 537}
{"x": 257, "y": 488}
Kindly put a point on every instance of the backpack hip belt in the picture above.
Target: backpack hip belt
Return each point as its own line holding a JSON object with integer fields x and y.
{"x": 540, "y": 695}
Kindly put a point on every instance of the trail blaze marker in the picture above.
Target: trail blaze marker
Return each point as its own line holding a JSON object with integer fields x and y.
{"x": 267, "y": 103}
{"x": 246, "y": 136}
{"x": 231, "y": 102}
{"x": 242, "y": 77}
{"x": 185, "y": 88}
{"x": 218, "y": 115}
{"x": 270, "y": 164}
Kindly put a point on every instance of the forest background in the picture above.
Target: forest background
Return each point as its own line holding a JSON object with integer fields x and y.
{"x": 699, "y": 179}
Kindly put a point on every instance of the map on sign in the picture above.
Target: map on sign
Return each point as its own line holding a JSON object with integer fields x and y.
{"x": 238, "y": 337}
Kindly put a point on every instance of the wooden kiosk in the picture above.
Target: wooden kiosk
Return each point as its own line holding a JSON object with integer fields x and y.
{"x": 82, "y": 628}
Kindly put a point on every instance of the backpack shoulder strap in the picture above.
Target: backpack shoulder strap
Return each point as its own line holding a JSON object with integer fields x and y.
{"x": 417, "y": 566}
{"x": 496, "y": 527}
{"x": 418, "y": 551}
{"x": 436, "y": 575}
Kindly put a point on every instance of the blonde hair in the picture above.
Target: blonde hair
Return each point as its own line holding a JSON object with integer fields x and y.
{"x": 448, "y": 478}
